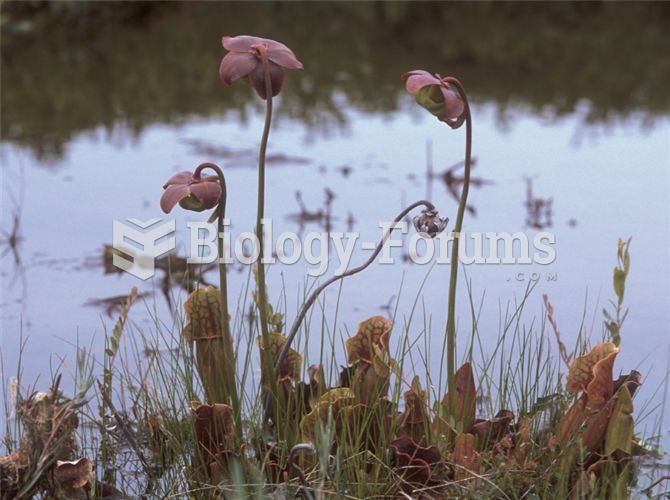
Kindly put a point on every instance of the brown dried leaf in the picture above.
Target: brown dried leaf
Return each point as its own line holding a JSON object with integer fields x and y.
{"x": 214, "y": 430}
{"x": 415, "y": 420}
{"x": 14, "y": 471}
{"x": 73, "y": 475}
{"x": 593, "y": 436}
{"x": 632, "y": 380}
{"x": 414, "y": 463}
{"x": 222, "y": 464}
{"x": 464, "y": 456}
{"x": 572, "y": 421}
{"x": 601, "y": 387}
{"x": 488, "y": 431}
{"x": 523, "y": 441}
{"x": 368, "y": 385}
{"x": 581, "y": 370}
{"x": 466, "y": 398}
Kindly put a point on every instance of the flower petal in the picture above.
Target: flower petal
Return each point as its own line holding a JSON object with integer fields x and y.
{"x": 453, "y": 105}
{"x": 179, "y": 178}
{"x": 209, "y": 193}
{"x": 241, "y": 43}
{"x": 280, "y": 54}
{"x": 172, "y": 195}
{"x": 417, "y": 79}
{"x": 276, "y": 79}
{"x": 236, "y": 65}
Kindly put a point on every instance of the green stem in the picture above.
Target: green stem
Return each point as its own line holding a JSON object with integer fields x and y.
{"x": 315, "y": 294}
{"x": 267, "y": 365}
{"x": 451, "y": 319}
{"x": 229, "y": 360}
{"x": 262, "y": 290}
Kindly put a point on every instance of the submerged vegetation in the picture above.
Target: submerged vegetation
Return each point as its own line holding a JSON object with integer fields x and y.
{"x": 511, "y": 425}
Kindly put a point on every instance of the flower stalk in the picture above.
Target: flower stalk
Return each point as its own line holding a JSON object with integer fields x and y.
{"x": 262, "y": 61}
{"x": 266, "y": 355}
{"x": 262, "y": 289}
{"x": 215, "y": 355}
{"x": 229, "y": 359}
{"x": 445, "y": 98}
{"x": 304, "y": 308}
{"x": 220, "y": 214}
{"x": 453, "y": 277}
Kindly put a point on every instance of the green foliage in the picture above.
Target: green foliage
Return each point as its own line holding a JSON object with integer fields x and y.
{"x": 614, "y": 320}
{"x": 378, "y": 448}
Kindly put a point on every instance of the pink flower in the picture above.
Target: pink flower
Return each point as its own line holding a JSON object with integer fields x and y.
{"x": 191, "y": 191}
{"x": 244, "y": 59}
{"x": 435, "y": 94}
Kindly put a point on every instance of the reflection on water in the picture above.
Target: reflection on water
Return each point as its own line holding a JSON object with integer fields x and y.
{"x": 453, "y": 180}
{"x": 112, "y": 305}
{"x": 539, "y": 210}
{"x": 322, "y": 217}
{"x": 173, "y": 271}
{"x": 241, "y": 157}
{"x": 69, "y": 67}
{"x": 11, "y": 239}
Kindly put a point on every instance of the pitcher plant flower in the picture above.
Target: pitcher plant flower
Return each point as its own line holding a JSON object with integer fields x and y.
{"x": 307, "y": 304}
{"x": 436, "y": 95}
{"x": 263, "y": 61}
{"x": 194, "y": 191}
{"x": 245, "y": 59}
{"x": 445, "y": 98}
{"x": 430, "y": 222}
{"x": 191, "y": 191}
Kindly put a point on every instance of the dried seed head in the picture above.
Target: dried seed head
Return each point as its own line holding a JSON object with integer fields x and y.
{"x": 430, "y": 222}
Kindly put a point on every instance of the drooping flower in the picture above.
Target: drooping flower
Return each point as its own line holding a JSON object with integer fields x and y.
{"x": 430, "y": 222}
{"x": 435, "y": 94}
{"x": 191, "y": 191}
{"x": 245, "y": 59}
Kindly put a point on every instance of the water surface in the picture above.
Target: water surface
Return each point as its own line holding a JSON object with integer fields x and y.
{"x": 101, "y": 106}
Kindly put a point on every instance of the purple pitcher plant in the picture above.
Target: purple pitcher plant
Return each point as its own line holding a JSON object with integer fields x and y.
{"x": 446, "y": 99}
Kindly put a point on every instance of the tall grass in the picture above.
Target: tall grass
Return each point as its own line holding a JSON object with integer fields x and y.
{"x": 144, "y": 441}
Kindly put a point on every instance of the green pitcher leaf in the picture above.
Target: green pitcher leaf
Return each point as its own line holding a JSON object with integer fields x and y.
{"x": 203, "y": 310}
{"x": 373, "y": 332}
{"x": 620, "y": 429}
{"x": 292, "y": 363}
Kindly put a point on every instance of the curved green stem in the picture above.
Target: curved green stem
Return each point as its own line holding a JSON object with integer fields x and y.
{"x": 315, "y": 294}
{"x": 451, "y": 319}
{"x": 229, "y": 360}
